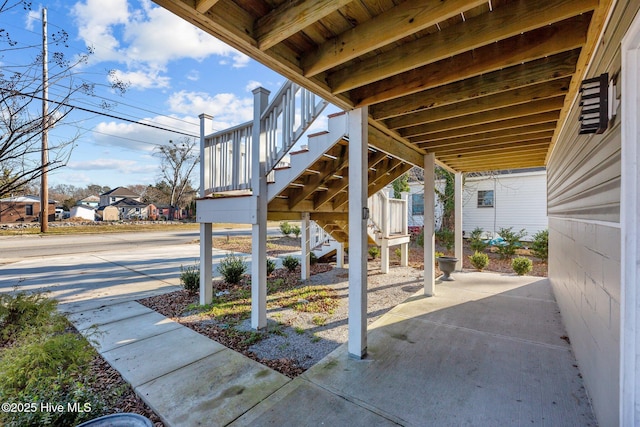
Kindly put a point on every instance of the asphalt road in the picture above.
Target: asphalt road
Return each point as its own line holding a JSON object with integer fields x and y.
{"x": 15, "y": 248}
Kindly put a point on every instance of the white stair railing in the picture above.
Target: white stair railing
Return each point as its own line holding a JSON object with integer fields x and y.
{"x": 387, "y": 216}
{"x": 227, "y": 155}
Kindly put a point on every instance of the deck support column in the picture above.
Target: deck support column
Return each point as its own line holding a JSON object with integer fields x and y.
{"x": 458, "y": 248}
{"x": 404, "y": 247}
{"x": 358, "y": 215}
{"x": 340, "y": 256}
{"x": 305, "y": 262}
{"x": 429, "y": 225}
{"x": 206, "y": 243}
{"x": 206, "y": 266}
{"x": 259, "y": 227}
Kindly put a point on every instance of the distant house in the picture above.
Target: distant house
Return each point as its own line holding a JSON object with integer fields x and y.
{"x": 91, "y": 201}
{"x": 108, "y": 213}
{"x": 82, "y": 211}
{"x": 24, "y": 209}
{"x": 117, "y": 194}
{"x": 167, "y": 212}
{"x": 129, "y": 208}
{"x": 515, "y": 199}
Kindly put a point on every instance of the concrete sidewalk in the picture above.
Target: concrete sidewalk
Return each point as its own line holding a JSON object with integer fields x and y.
{"x": 488, "y": 350}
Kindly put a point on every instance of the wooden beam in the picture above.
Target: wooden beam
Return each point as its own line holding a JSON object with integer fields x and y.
{"x": 282, "y": 205}
{"x": 383, "y": 171}
{"x": 504, "y": 22}
{"x": 330, "y": 216}
{"x": 504, "y": 135}
{"x": 203, "y": 6}
{"x": 509, "y": 154}
{"x": 385, "y": 143}
{"x": 388, "y": 27}
{"x": 528, "y": 109}
{"x": 495, "y": 149}
{"x": 291, "y": 17}
{"x": 550, "y": 40}
{"x": 550, "y": 117}
{"x": 532, "y": 162}
{"x": 538, "y": 71}
{"x": 485, "y": 103}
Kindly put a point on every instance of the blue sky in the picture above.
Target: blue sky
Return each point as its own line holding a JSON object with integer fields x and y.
{"x": 174, "y": 71}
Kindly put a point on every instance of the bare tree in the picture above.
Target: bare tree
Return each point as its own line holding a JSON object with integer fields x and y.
{"x": 22, "y": 121}
{"x": 178, "y": 159}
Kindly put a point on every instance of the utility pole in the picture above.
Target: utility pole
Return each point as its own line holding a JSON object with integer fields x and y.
{"x": 44, "y": 184}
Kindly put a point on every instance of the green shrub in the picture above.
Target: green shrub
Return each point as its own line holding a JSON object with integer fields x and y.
{"x": 271, "y": 266}
{"x": 313, "y": 258}
{"x": 446, "y": 238}
{"x": 476, "y": 242}
{"x": 479, "y": 260}
{"x": 295, "y": 229}
{"x": 521, "y": 265}
{"x": 540, "y": 245}
{"x": 420, "y": 238}
{"x": 23, "y": 311}
{"x": 398, "y": 252}
{"x": 290, "y": 262}
{"x": 374, "y": 251}
{"x": 511, "y": 242}
{"x": 190, "y": 278}
{"x": 43, "y": 363}
{"x": 285, "y": 228}
{"x": 231, "y": 268}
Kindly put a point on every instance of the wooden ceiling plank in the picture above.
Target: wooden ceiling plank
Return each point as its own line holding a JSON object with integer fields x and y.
{"x": 395, "y": 24}
{"x": 489, "y": 157}
{"x": 504, "y": 22}
{"x": 203, "y": 6}
{"x": 485, "y": 103}
{"x": 506, "y": 135}
{"x": 542, "y": 143}
{"x": 485, "y": 167}
{"x": 548, "y": 117}
{"x": 542, "y": 70}
{"x": 385, "y": 143}
{"x": 290, "y": 18}
{"x": 568, "y": 35}
{"x": 528, "y": 109}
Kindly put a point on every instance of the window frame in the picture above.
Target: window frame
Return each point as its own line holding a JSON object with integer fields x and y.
{"x": 481, "y": 202}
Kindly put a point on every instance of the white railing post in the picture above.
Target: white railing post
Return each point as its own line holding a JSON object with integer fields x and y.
{"x": 404, "y": 248}
{"x": 305, "y": 262}
{"x": 206, "y": 266}
{"x": 205, "y": 154}
{"x": 259, "y": 228}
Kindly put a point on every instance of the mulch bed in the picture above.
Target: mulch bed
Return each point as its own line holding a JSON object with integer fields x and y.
{"x": 174, "y": 304}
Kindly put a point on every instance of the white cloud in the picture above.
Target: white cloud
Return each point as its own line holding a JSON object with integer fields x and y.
{"x": 193, "y": 75}
{"x": 226, "y": 108}
{"x": 32, "y": 17}
{"x": 251, "y": 85}
{"x": 141, "y": 79}
{"x": 145, "y": 39}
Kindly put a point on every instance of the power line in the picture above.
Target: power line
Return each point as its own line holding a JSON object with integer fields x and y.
{"x": 113, "y": 116}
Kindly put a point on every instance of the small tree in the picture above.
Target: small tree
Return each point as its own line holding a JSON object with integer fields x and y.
{"x": 177, "y": 161}
{"x": 400, "y": 185}
{"x": 511, "y": 242}
{"x": 540, "y": 245}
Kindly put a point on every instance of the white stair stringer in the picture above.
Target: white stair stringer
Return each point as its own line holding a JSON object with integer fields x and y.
{"x": 318, "y": 144}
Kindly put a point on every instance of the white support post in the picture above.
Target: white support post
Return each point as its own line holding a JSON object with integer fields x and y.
{"x": 429, "y": 225}
{"x": 458, "y": 248}
{"x": 358, "y": 214}
{"x": 384, "y": 256}
{"x": 206, "y": 243}
{"x": 340, "y": 256}
{"x": 259, "y": 229}
{"x": 404, "y": 248}
{"x": 206, "y": 267}
{"x": 305, "y": 262}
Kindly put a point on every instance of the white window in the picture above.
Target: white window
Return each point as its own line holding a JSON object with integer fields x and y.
{"x": 417, "y": 204}
{"x": 485, "y": 198}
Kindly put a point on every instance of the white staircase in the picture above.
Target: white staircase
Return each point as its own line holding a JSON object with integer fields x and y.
{"x": 268, "y": 147}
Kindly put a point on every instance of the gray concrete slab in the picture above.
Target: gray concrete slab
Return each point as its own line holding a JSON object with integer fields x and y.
{"x": 213, "y": 391}
{"x": 132, "y": 329}
{"x": 106, "y": 314}
{"x": 441, "y": 361}
{"x": 301, "y": 403}
{"x": 151, "y": 358}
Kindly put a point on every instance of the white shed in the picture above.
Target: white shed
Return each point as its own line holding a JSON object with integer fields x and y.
{"x": 84, "y": 212}
{"x": 510, "y": 199}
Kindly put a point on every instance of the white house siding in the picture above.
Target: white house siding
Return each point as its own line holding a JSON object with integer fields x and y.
{"x": 584, "y": 235}
{"x": 520, "y": 201}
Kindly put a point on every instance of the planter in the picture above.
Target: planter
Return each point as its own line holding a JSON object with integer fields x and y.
{"x": 447, "y": 264}
{"x": 119, "y": 420}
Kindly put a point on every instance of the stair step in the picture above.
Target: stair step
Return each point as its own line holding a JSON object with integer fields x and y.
{"x": 324, "y": 132}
